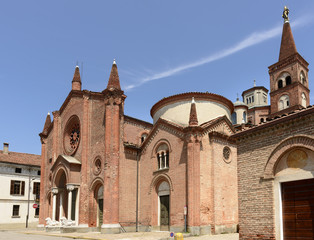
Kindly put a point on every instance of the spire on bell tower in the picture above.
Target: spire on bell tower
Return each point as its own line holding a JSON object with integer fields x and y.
{"x": 287, "y": 47}
{"x": 76, "y": 82}
{"x": 289, "y": 87}
{"x": 114, "y": 82}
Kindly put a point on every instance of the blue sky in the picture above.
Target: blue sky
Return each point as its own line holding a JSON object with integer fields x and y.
{"x": 161, "y": 48}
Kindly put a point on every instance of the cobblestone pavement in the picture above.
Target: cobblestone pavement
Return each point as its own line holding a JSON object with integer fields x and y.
{"x": 34, "y": 234}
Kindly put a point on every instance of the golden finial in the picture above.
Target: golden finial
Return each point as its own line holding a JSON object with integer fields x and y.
{"x": 285, "y": 14}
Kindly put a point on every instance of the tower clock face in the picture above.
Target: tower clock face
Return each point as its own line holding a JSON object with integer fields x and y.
{"x": 71, "y": 138}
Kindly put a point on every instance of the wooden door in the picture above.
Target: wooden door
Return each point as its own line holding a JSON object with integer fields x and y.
{"x": 164, "y": 213}
{"x": 298, "y": 209}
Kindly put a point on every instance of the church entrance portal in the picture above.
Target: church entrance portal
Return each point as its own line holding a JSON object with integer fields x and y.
{"x": 164, "y": 213}
{"x": 60, "y": 197}
{"x": 164, "y": 206}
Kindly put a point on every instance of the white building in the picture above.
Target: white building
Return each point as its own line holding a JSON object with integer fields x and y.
{"x": 20, "y": 186}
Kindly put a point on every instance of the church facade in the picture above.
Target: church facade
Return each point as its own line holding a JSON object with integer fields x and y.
{"x": 205, "y": 163}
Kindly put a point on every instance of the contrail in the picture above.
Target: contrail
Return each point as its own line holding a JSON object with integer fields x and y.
{"x": 253, "y": 39}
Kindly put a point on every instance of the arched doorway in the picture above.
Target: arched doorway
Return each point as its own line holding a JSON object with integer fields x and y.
{"x": 61, "y": 195}
{"x": 163, "y": 192}
{"x": 99, "y": 195}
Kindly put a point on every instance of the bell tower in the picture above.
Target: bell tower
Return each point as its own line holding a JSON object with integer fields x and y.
{"x": 289, "y": 87}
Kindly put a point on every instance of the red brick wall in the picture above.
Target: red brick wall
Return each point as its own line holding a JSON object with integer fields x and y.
{"x": 294, "y": 90}
{"x": 150, "y": 177}
{"x": 256, "y": 203}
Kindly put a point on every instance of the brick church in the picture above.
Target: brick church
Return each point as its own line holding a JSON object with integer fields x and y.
{"x": 215, "y": 165}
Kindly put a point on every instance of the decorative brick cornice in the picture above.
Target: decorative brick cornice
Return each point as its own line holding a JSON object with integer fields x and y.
{"x": 255, "y": 88}
{"x": 285, "y": 119}
{"x": 131, "y": 148}
{"x": 113, "y": 96}
{"x": 222, "y": 137}
{"x": 289, "y": 87}
{"x": 137, "y": 122}
{"x": 80, "y": 94}
{"x": 164, "y": 125}
{"x": 252, "y": 109}
{"x": 288, "y": 61}
{"x": 188, "y": 96}
{"x": 212, "y": 125}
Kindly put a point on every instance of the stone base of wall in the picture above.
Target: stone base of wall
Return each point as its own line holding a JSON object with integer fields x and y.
{"x": 79, "y": 229}
{"x": 111, "y": 228}
{"x": 205, "y": 230}
{"x": 256, "y": 237}
{"x": 194, "y": 230}
{"x": 219, "y": 229}
{"x": 53, "y": 229}
{"x": 177, "y": 229}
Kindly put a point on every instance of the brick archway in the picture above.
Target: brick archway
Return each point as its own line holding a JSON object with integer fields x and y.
{"x": 94, "y": 209}
{"x": 302, "y": 141}
{"x": 159, "y": 178}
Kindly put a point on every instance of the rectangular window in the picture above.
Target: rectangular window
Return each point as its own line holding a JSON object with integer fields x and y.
{"x": 38, "y": 172}
{"x": 37, "y": 212}
{"x": 18, "y": 170}
{"x": 16, "y": 211}
{"x": 17, "y": 187}
{"x": 36, "y": 190}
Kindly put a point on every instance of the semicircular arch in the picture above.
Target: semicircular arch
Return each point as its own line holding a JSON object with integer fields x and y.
{"x": 158, "y": 143}
{"x": 300, "y": 141}
{"x": 158, "y": 179}
{"x": 58, "y": 173}
{"x": 95, "y": 182}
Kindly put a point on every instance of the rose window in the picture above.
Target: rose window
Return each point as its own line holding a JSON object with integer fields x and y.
{"x": 226, "y": 154}
{"x": 72, "y": 135}
{"x": 75, "y": 136}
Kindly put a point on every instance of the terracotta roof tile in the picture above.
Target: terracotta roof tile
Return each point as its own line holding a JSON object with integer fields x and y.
{"x": 20, "y": 158}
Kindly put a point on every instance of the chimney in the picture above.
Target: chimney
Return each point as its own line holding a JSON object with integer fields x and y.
{"x": 5, "y": 148}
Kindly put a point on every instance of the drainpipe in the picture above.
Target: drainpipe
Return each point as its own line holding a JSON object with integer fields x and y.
{"x": 137, "y": 172}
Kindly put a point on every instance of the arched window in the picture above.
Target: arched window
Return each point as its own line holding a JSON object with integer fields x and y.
{"x": 262, "y": 120}
{"x": 280, "y": 85}
{"x": 163, "y": 156}
{"x": 244, "y": 117}
{"x": 303, "y": 97}
{"x": 234, "y": 118}
{"x": 288, "y": 80}
{"x": 283, "y": 102}
{"x": 143, "y": 137}
{"x": 302, "y": 78}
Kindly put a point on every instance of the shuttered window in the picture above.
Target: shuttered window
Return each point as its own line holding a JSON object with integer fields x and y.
{"x": 17, "y": 187}
{"x": 36, "y": 190}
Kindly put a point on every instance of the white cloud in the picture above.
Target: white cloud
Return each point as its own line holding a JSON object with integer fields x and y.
{"x": 253, "y": 39}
